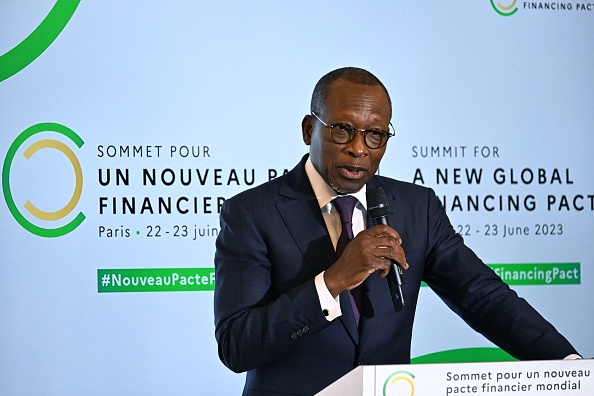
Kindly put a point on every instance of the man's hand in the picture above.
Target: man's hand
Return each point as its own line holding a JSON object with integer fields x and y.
{"x": 370, "y": 251}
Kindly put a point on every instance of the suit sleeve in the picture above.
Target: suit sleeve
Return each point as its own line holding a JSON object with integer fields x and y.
{"x": 481, "y": 298}
{"x": 258, "y": 319}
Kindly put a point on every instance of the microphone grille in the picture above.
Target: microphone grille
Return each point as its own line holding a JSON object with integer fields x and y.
{"x": 377, "y": 204}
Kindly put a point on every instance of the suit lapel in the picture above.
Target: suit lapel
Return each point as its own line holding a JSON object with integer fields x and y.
{"x": 303, "y": 218}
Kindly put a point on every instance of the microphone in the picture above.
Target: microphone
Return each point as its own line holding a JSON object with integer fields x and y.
{"x": 377, "y": 206}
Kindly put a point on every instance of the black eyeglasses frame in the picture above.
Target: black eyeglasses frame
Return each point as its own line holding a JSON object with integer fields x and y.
{"x": 354, "y": 131}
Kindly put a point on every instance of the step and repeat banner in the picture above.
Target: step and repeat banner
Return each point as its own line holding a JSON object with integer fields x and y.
{"x": 125, "y": 125}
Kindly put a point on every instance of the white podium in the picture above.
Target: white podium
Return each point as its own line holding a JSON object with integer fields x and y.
{"x": 550, "y": 377}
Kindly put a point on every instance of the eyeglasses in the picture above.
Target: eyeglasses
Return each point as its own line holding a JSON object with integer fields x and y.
{"x": 345, "y": 133}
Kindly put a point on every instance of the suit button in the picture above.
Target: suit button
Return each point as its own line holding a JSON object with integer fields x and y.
{"x": 360, "y": 363}
{"x": 299, "y": 332}
{"x": 294, "y": 335}
{"x": 305, "y": 329}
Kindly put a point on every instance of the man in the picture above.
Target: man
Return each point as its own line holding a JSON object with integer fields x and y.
{"x": 283, "y": 309}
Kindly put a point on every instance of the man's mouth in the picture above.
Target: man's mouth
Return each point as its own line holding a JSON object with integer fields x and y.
{"x": 352, "y": 172}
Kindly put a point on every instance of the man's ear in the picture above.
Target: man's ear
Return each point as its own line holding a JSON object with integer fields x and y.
{"x": 307, "y": 129}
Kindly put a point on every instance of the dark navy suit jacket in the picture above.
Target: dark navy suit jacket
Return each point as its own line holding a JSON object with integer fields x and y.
{"x": 273, "y": 242}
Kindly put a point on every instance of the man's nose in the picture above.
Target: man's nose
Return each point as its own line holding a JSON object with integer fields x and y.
{"x": 357, "y": 146}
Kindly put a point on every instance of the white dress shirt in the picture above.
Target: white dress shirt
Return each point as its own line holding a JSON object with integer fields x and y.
{"x": 325, "y": 194}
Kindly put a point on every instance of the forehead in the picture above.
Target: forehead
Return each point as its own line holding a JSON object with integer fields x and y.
{"x": 347, "y": 96}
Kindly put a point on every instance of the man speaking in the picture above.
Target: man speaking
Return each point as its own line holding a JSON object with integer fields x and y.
{"x": 307, "y": 285}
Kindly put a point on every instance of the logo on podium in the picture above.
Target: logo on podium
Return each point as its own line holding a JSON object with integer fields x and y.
{"x": 399, "y": 383}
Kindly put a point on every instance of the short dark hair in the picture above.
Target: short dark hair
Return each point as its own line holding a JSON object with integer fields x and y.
{"x": 353, "y": 74}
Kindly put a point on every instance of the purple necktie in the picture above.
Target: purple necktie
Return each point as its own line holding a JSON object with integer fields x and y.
{"x": 345, "y": 206}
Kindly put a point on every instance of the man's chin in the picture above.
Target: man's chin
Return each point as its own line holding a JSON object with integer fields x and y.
{"x": 344, "y": 189}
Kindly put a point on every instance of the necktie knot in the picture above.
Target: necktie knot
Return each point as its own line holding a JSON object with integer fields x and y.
{"x": 345, "y": 206}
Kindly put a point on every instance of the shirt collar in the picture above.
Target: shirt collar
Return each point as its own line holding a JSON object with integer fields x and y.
{"x": 324, "y": 193}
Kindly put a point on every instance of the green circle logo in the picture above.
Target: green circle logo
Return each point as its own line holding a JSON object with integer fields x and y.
{"x": 399, "y": 383}
{"x": 30, "y": 207}
{"x": 39, "y": 40}
{"x": 504, "y": 10}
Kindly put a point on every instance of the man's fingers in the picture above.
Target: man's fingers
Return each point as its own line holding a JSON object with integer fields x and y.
{"x": 397, "y": 255}
{"x": 384, "y": 272}
{"x": 383, "y": 231}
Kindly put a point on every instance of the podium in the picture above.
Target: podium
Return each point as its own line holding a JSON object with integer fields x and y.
{"x": 544, "y": 377}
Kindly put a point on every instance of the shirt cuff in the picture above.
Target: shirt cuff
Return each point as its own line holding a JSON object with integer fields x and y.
{"x": 330, "y": 305}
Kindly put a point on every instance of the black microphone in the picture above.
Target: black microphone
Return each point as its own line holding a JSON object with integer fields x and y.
{"x": 377, "y": 206}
